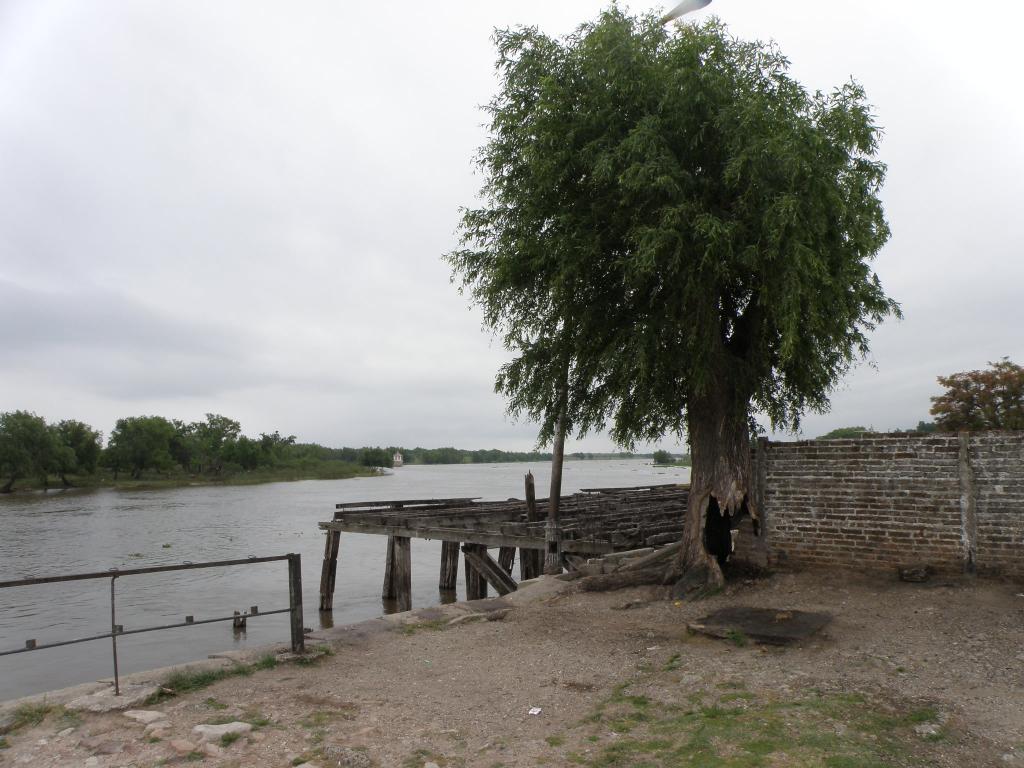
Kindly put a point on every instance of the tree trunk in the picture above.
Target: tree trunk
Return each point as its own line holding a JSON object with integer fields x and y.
{"x": 9, "y": 485}
{"x": 720, "y": 482}
{"x": 553, "y": 548}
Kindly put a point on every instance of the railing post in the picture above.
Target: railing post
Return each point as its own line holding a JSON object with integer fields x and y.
{"x": 295, "y": 602}
{"x": 113, "y": 636}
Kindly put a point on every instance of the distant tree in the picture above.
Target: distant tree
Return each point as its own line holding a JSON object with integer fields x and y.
{"x": 376, "y": 457}
{"x": 140, "y": 443}
{"x": 662, "y": 457}
{"x": 989, "y": 399}
{"x": 212, "y": 438}
{"x": 27, "y": 448}
{"x": 846, "y": 433}
{"x": 78, "y": 448}
{"x": 673, "y": 235}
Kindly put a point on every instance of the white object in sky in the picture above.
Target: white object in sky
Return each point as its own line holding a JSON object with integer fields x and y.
{"x": 684, "y": 8}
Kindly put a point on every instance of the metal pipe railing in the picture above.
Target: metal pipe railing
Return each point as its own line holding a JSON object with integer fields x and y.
{"x": 116, "y": 630}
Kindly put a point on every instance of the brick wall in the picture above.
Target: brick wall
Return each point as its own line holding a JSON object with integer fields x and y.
{"x": 954, "y": 501}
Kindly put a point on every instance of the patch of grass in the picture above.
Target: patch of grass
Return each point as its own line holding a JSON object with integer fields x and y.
{"x": 3, "y": 743}
{"x": 256, "y": 719}
{"x": 188, "y": 680}
{"x": 435, "y": 625}
{"x": 227, "y": 739}
{"x": 194, "y": 757}
{"x": 421, "y": 756}
{"x": 737, "y": 638}
{"x": 741, "y": 729}
{"x": 30, "y": 715}
{"x": 674, "y": 662}
{"x": 555, "y": 741}
{"x": 268, "y": 661}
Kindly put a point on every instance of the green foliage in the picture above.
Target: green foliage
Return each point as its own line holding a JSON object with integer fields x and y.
{"x": 989, "y": 399}
{"x": 846, "y": 433}
{"x": 666, "y": 214}
{"x": 78, "y": 447}
{"x": 463, "y": 456}
{"x": 662, "y": 457}
{"x": 27, "y": 447}
{"x": 138, "y": 443}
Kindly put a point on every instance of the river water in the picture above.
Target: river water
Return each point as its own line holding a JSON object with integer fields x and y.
{"x": 63, "y": 532}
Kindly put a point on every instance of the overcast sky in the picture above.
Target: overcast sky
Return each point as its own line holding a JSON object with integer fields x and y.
{"x": 241, "y": 207}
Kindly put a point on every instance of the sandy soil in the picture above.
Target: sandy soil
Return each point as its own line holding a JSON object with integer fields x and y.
{"x": 462, "y": 695}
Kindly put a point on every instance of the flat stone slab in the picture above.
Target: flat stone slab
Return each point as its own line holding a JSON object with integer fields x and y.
{"x": 771, "y": 626}
{"x": 213, "y": 732}
{"x": 105, "y": 700}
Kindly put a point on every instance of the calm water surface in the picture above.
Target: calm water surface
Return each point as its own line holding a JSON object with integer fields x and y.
{"x": 73, "y": 531}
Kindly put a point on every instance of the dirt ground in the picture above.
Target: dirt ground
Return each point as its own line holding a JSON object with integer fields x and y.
{"x": 905, "y": 675}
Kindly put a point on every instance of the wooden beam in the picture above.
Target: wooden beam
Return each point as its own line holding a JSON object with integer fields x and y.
{"x": 476, "y": 584}
{"x": 489, "y": 569}
{"x": 329, "y": 571}
{"x": 506, "y": 556}
{"x": 583, "y": 546}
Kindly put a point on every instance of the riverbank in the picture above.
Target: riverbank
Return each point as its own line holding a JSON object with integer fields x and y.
{"x": 905, "y": 675}
{"x": 323, "y": 470}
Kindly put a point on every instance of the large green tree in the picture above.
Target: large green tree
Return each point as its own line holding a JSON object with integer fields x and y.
{"x": 27, "y": 448}
{"x": 140, "y": 443}
{"x": 78, "y": 448}
{"x": 673, "y": 236}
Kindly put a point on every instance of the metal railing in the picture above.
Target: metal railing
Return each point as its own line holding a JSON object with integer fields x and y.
{"x": 117, "y": 630}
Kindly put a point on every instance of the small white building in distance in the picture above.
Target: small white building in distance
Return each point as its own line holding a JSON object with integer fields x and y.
{"x": 396, "y": 460}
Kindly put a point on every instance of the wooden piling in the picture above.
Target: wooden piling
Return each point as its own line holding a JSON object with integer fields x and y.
{"x": 476, "y": 584}
{"x": 506, "y": 557}
{"x": 449, "y": 566}
{"x": 402, "y": 572}
{"x": 329, "y": 571}
{"x": 388, "y": 591}
{"x": 530, "y": 559}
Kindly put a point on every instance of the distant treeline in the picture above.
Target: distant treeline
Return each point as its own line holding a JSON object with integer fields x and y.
{"x": 73, "y": 453}
{"x": 214, "y": 449}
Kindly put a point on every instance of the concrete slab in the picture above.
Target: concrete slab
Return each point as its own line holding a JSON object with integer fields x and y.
{"x": 771, "y": 626}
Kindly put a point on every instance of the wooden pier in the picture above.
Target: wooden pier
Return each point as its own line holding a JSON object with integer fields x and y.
{"x": 591, "y": 523}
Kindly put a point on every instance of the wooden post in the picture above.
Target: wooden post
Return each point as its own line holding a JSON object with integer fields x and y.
{"x": 330, "y": 570}
{"x": 402, "y": 572}
{"x": 449, "y": 566}
{"x": 506, "y": 557}
{"x": 476, "y": 584}
{"x": 530, "y": 559}
{"x": 553, "y": 532}
{"x": 388, "y": 592}
{"x": 295, "y": 603}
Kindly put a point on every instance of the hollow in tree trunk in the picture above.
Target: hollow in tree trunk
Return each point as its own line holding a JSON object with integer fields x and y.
{"x": 720, "y": 481}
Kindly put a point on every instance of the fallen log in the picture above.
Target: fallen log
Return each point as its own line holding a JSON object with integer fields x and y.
{"x": 655, "y": 558}
{"x": 621, "y": 579}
